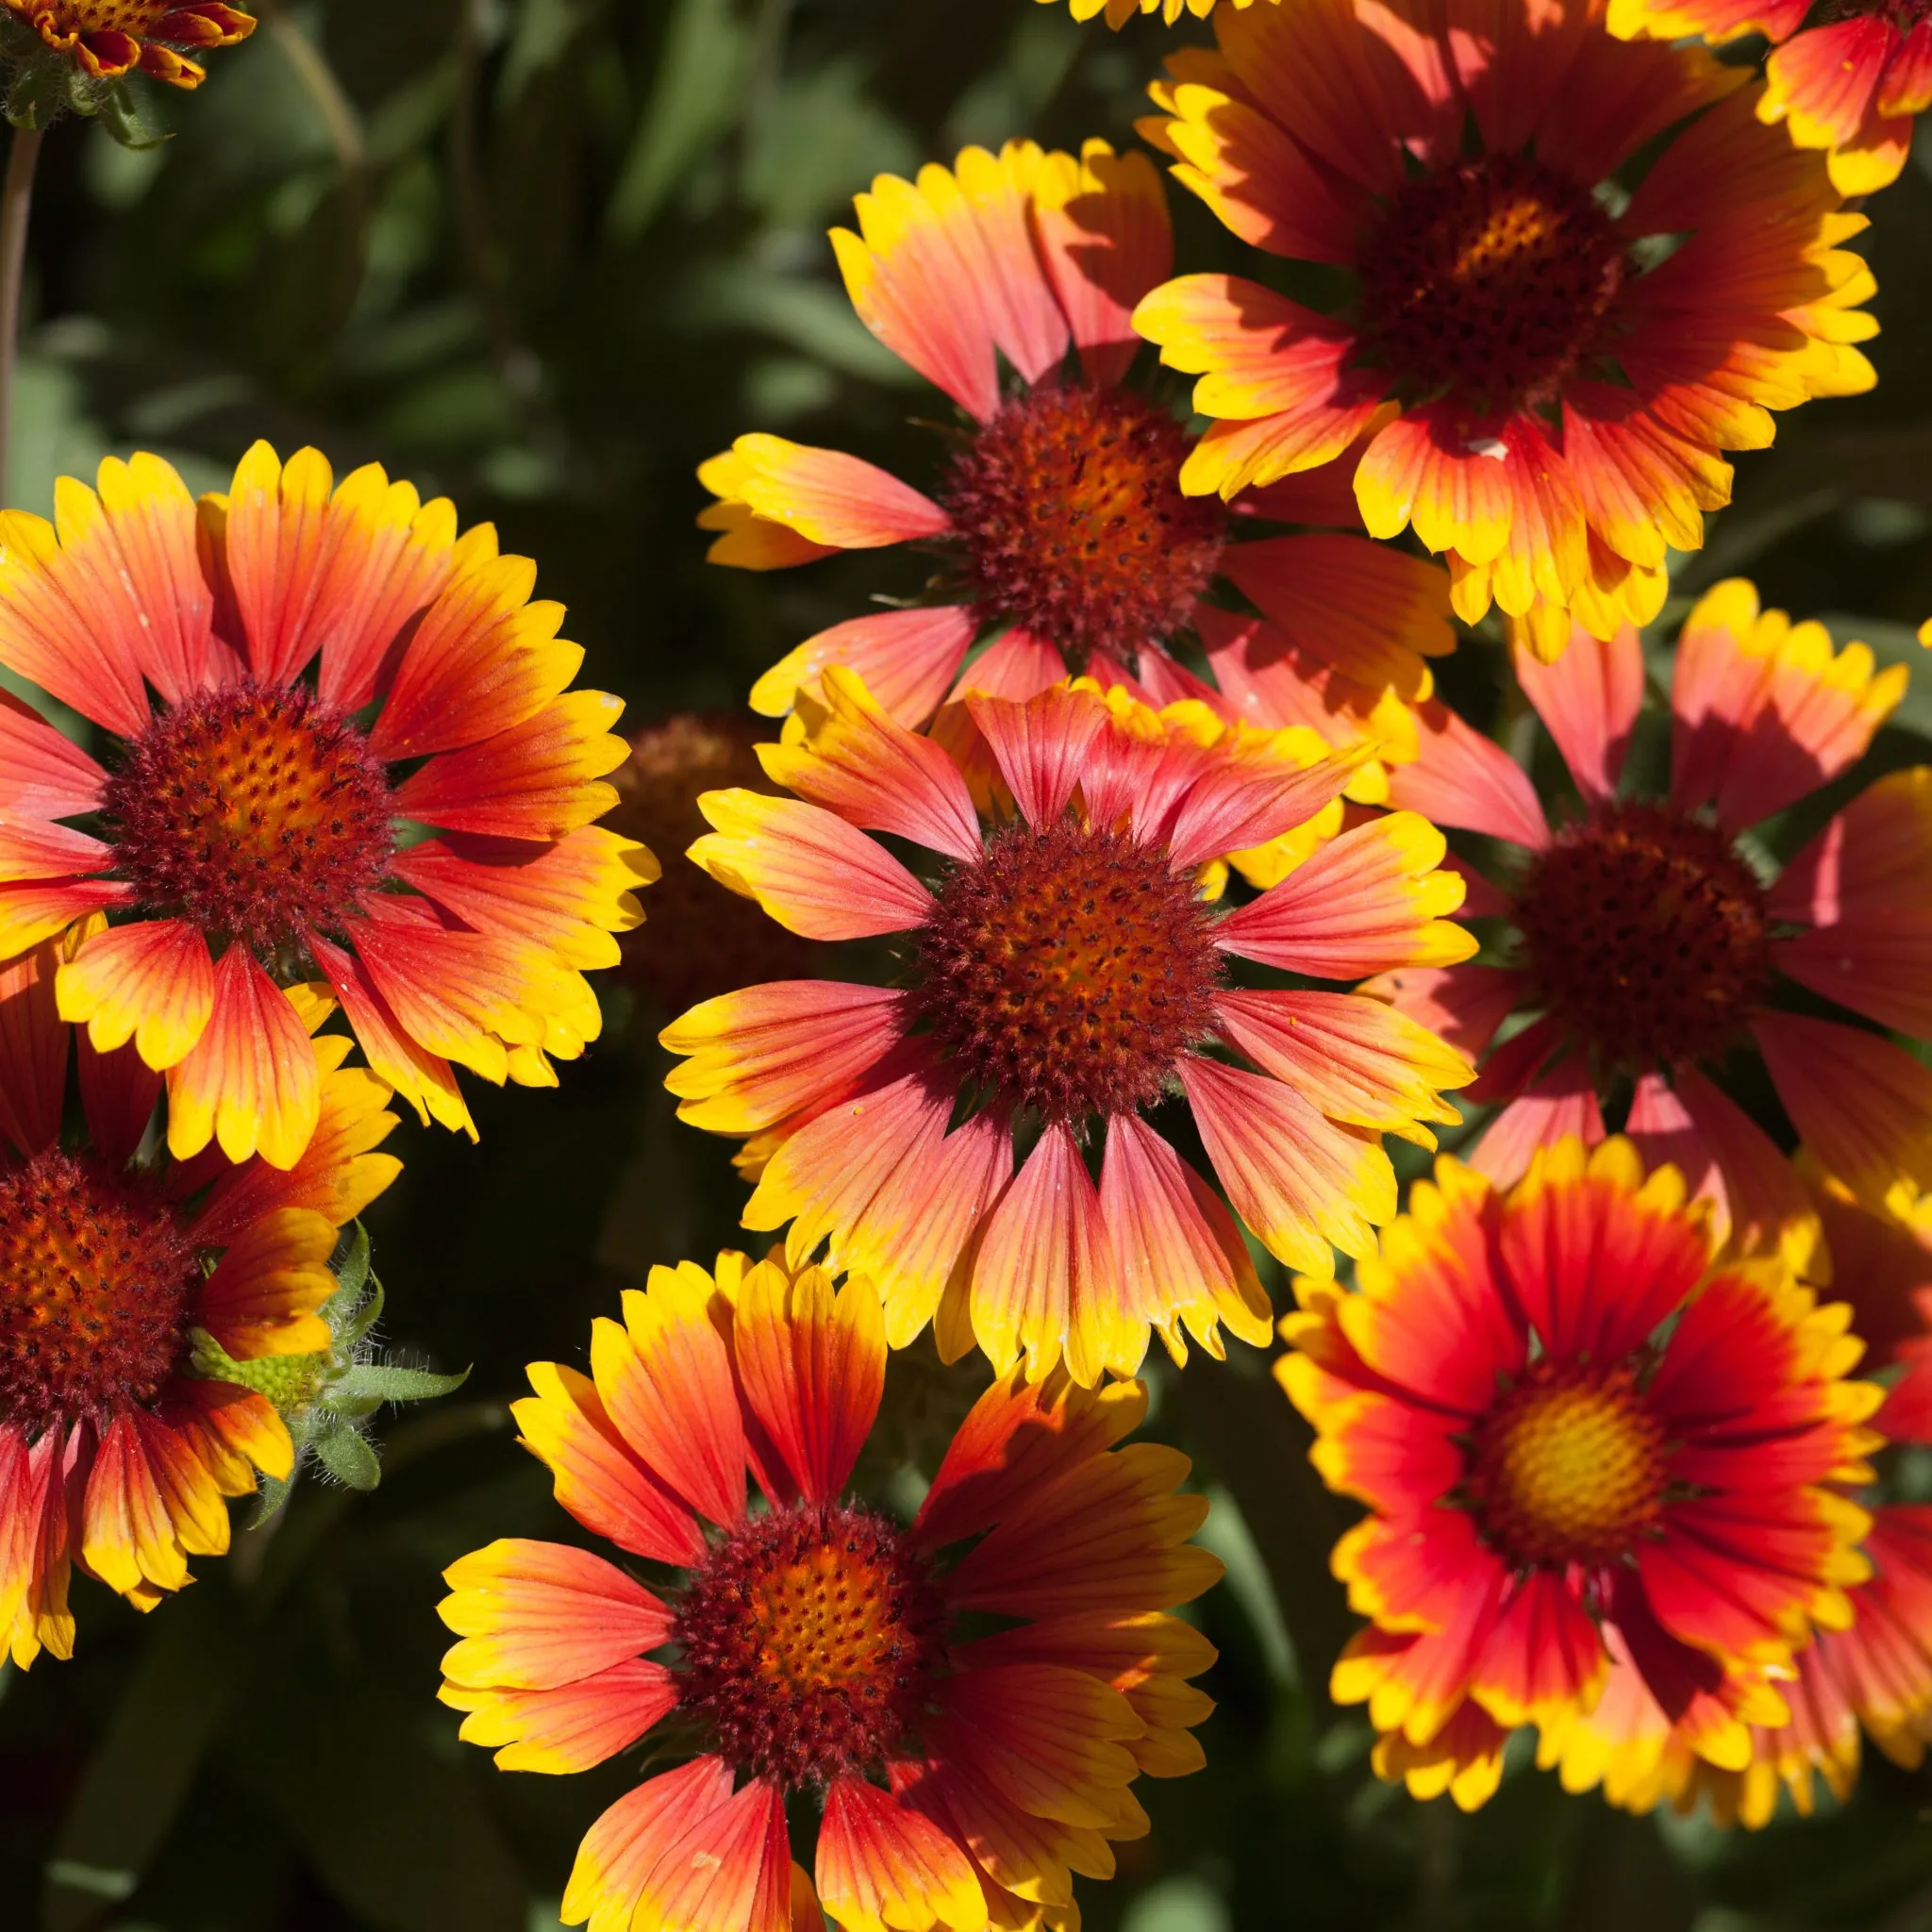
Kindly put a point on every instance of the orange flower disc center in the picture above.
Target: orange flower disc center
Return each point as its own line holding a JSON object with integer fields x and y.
{"x": 1489, "y": 280}
{"x": 1070, "y": 507}
{"x": 1646, "y": 932}
{"x": 95, "y": 1284}
{"x": 810, "y": 1639}
{"x": 1567, "y": 1467}
{"x": 136, "y": 17}
{"x": 1068, "y": 970}
{"x": 253, "y": 813}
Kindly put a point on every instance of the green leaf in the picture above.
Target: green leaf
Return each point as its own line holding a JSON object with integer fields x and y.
{"x": 374, "y": 1384}
{"x": 700, "y": 82}
{"x": 347, "y": 1458}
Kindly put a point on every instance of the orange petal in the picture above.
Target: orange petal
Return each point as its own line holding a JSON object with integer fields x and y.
{"x": 533, "y": 1615}
{"x": 151, "y": 981}
{"x": 252, "y": 1081}
{"x": 262, "y": 1298}
{"x": 885, "y": 1868}
{"x": 813, "y": 1367}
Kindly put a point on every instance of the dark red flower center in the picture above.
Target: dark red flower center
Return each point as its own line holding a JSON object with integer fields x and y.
{"x": 1567, "y": 1467}
{"x": 1489, "y": 279}
{"x": 1070, "y": 507}
{"x": 1068, "y": 970}
{"x": 703, "y": 939}
{"x": 96, "y": 1280}
{"x": 1646, "y": 932}
{"x": 253, "y": 813}
{"x": 811, "y": 1640}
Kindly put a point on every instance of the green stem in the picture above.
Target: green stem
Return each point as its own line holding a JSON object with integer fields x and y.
{"x": 16, "y": 204}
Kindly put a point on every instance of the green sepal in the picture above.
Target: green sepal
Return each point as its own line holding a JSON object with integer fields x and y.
{"x": 113, "y": 107}
{"x": 343, "y": 1452}
{"x": 363, "y": 1390}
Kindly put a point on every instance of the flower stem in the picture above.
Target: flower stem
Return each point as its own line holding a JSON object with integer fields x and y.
{"x": 16, "y": 203}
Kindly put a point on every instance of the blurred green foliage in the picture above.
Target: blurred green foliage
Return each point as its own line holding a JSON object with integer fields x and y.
{"x": 546, "y": 256}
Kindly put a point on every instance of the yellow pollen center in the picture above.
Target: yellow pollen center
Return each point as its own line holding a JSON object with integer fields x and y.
{"x": 823, "y": 1623}
{"x": 1567, "y": 1467}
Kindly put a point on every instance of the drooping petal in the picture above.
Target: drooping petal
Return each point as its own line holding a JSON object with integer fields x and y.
{"x": 619, "y": 1849}
{"x": 1045, "y": 1282}
{"x": 1557, "y": 1104}
{"x": 1181, "y": 1258}
{"x": 151, "y": 981}
{"x": 1301, "y": 1183}
{"x": 425, "y": 1079}
{"x": 1370, "y": 612}
{"x": 731, "y": 1871}
{"x": 882, "y": 1865}
{"x": 251, "y": 1082}
{"x": 1861, "y": 886}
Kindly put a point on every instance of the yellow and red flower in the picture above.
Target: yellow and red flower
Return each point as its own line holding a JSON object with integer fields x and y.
{"x": 1877, "y": 1676}
{"x": 1650, "y": 946}
{"x": 967, "y": 1700}
{"x": 1847, "y": 78}
{"x": 106, "y": 39}
{"x": 1546, "y": 382}
{"x": 1119, "y": 12}
{"x": 115, "y": 1449}
{"x": 1061, "y": 516}
{"x": 1566, "y": 1424}
{"x": 243, "y": 837}
{"x": 1063, "y": 973}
